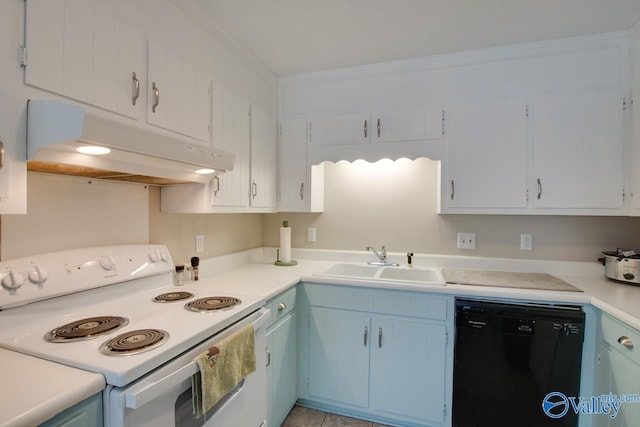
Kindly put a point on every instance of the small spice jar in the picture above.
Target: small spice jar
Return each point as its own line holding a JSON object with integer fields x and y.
{"x": 180, "y": 275}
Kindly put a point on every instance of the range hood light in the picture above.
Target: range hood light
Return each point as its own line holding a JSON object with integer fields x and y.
{"x": 205, "y": 171}
{"x": 93, "y": 149}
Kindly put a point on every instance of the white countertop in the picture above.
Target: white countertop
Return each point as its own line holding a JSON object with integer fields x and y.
{"x": 253, "y": 272}
{"x": 35, "y": 390}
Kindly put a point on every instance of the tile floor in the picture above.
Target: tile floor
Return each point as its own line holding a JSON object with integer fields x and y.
{"x": 306, "y": 417}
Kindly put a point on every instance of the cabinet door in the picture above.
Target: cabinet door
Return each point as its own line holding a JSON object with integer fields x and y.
{"x": 618, "y": 375}
{"x": 292, "y": 164}
{"x": 231, "y": 132}
{"x": 264, "y": 141}
{"x": 635, "y": 125}
{"x": 281, "y": 371}
{"x": 408, "y": 369}
{"x": 578, "y": 149}
{"x": 118, "y": 65}
{"x": 340, "y": 129}
{"x": 339, "y": 356}
{"x": 407, "y": 125}
{"x": 487, "y": 155}
{"x": 45, "y": 41}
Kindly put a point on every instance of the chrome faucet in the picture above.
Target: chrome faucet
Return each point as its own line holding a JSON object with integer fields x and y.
{"x": 382, "y": 256}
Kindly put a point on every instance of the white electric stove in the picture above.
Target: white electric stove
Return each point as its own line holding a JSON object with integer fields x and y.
{"x": 115, "y": 311}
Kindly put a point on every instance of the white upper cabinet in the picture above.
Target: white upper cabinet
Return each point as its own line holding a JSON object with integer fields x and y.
{"x": 264, "y": 141}
{"x": 231, "y": 123}
{"x": 248, "y": 132}
{"x": 300, "y": 185}
{"x": 486, "y": 164}
{"x": 634, "y": 158}
{"x": 339, "y": 129}
{"x": 578, "y": 149}
{"x": 179, "y": 95}
{"x": 78, "y": 49}
{"x": 407, "y": 125}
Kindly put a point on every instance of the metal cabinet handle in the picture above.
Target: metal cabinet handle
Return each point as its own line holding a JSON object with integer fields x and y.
{"x": 453, "y": 189}
{"x": 1, "y": 154}
{"x": 379, "y": 337}
{"x": 366, "y": 128}
{"x": 254, "y": 190}
{"x": 135, "y": 88}
{"x": 216, "y": 186}
{"x": 156, "y": 97}
{"x": 268, "y": 356}
{"x": 626, "y": 341}
{"x": 282, "y": 306}
{"x": 302, "y": 191}
{"x": 539, "y": 188}
{"x": 366, "y": 335}
{"x": 378, "y": 128}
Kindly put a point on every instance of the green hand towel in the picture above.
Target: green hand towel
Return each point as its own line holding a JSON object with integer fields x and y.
{"x": 222, "y": 367}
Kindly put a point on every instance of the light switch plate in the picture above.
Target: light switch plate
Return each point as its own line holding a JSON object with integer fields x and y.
{"x": 311, "y": 234}
{"x": 466, "y": 240}
{"x": 199, "y": 243}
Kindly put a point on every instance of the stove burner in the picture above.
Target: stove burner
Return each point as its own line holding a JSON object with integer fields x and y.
{"x": 172, "y": 296}
{"x": 133, "y": 342}
{"x": 85, "y": 329}
{"x": 211, "y": 304}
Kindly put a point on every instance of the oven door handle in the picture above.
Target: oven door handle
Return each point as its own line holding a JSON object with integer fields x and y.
{"x": 135, "y": 400}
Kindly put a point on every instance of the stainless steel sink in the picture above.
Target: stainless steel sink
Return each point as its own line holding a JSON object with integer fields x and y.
{"x": 385, "y": 274}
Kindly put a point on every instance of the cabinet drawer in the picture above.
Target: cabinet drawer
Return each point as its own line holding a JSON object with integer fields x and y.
{"x": 281, "y": 304}
{"x": 379, "y": 301}
{"x": 614, "y": 333}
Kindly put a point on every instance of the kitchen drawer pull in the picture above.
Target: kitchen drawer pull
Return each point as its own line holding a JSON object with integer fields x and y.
{"x": 302, "y": 191}
{"x": 378, "y": 128}
{"x": 366, "y": 129}
{"x": 626, "y": 341}
{"x": 216, "y": 185}
{"x": 156, "y": 97}
{"x": 453, "y": 189}
{"x": 282, "y": 306}
{"x": 366, "y": 335}
{"x": 379, "y": 337}
{"x": 539, "y": 188}
{"x": 135, "y": 88}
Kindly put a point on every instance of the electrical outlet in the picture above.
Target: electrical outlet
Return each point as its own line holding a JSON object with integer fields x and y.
{"x": 311, "y": 234}
{"x": 526, "y": 242}
{"x": 466, "y": 240}
{"x": 199, "y": 243}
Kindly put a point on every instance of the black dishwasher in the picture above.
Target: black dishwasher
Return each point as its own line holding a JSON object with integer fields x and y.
{"x": 509, "y": 357}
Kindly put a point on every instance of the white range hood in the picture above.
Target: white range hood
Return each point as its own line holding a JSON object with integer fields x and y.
{"x": 56, "y": 130}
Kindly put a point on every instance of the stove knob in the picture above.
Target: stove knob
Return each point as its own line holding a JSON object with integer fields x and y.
{"x": 107, "y": 262}
{"x": 154, "y": 256}
{"x": 164, "y": 256}
{"x": 38, "y": 275}
{"x": 13, "y": 280}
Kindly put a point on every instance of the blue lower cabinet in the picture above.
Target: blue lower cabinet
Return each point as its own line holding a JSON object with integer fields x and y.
{"x": 282, "y": 348}
{"x": 360, "y": 356}
{"x": 87, "y": 413}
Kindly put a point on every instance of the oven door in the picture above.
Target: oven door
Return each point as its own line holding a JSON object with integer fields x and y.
{"x": 163, "y": 398}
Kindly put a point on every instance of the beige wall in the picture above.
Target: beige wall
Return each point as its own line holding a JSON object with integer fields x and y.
{"x": 223, "y": 233}
{"x": 68, "y": 212}
{"x": 364, "y": 205}
{"x": 394, "y": 204}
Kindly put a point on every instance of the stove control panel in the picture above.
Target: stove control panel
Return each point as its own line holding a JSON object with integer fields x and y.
{"x": 39, "y": 277}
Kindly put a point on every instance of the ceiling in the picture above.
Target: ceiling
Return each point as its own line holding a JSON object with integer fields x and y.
{"x": 296, "y": 36}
